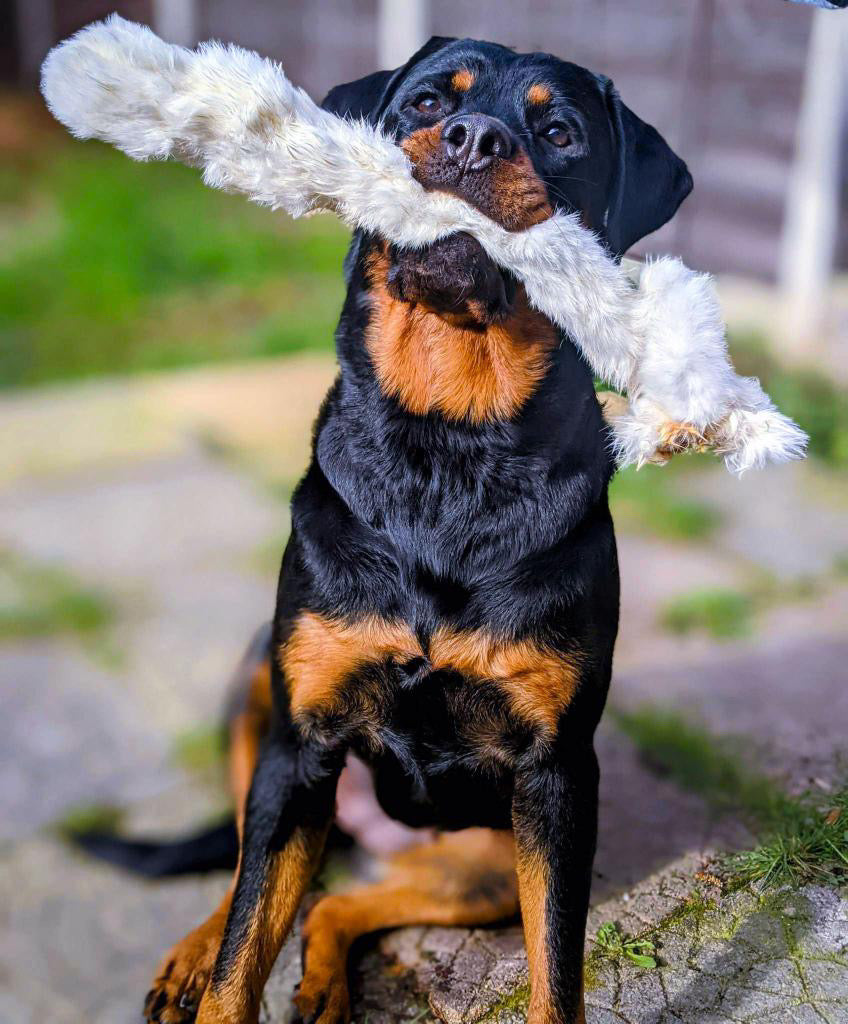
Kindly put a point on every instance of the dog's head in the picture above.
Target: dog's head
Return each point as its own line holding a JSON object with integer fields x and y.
{"x": 520, "y": 135}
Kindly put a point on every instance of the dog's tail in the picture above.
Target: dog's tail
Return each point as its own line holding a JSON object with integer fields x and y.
{"x": 213, "y": 849}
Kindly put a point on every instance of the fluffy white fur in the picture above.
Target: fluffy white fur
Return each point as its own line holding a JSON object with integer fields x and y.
{"x": 237, "y": 117}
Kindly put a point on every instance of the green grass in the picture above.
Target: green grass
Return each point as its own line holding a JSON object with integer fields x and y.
{"x": 114, "y": 266}
{"x": 809, "y": 396}
{"x": 800, "y": 839}
{"x": 614, "y": 946}
{"x": 646, "y": 500}
{"x": 723, "y": 613}
{"x": 808, "y": 844}
{"x": 726, "y": 614}
{"x": 88, "y": 818}
{"x": 38, "y": 600}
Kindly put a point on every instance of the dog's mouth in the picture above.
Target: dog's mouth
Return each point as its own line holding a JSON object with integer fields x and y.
{"x": 453, "y": 277}
{"x": 507, "y": 190}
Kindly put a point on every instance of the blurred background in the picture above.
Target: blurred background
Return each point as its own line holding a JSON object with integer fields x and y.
{"x": 164, "y": 350}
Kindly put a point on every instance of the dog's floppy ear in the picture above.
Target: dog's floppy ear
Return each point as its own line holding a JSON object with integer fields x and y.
{"x": 651, "y": 180}
{"x": 368, "y": 97}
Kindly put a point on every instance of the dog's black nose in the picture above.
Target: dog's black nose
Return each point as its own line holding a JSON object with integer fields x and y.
{"x": 472, "y": 141}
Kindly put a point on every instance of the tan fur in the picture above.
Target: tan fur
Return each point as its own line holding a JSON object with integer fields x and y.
{"x": 521, "y": 197}
{"x": 462, "y": 80}
{"x": 420, "y": 146}
{"x": 538, "y": 683}
{"x": 429, "y": 362}
{"x": 538, "y": 94}
{"x": 533, "y": 889}
{"x": 187, "y": 967}
{"x": 321, "y": 654}
{"x": 235, "y": 1000}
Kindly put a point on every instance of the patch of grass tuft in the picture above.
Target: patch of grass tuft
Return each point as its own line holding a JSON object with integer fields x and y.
{"x": 614, "y": 946}
{"x": 645, "y": 501}
{"x": 40, "y": 600}
{"x": 726, "y": 614}
{"x": 808, "y": 844}
{"x": 114, "y": 266}
{"x": 801, "y": 839}
{"x": 723, "y": 613}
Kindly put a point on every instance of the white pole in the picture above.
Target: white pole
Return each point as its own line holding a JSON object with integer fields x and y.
{"x": 402, "y": 26}
{"x": 811, "y": 219}
{"x": 176, "y": 21}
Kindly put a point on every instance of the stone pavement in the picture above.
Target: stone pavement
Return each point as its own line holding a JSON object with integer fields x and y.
{"x": 165, "y": 493}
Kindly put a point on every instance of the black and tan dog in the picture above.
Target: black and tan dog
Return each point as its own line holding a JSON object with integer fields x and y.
{"x": 448, "y": 600}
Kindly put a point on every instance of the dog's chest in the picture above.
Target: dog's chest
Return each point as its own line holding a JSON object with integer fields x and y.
{"x": 443, "y": 751}
{"x": 462, "y": 513}
{"x": 374, "y": 678}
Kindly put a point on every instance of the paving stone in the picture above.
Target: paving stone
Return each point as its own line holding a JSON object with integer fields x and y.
{"x": 708, "y": 971}
{"x": 778, "y": 976}
{"x": 188, "y": 596}
{"x": 826, "y": 978}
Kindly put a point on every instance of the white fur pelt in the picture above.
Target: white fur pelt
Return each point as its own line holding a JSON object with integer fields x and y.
{"x": 237, "y": 117}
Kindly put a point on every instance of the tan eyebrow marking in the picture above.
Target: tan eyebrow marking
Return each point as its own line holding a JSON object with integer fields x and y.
{"x": 538, "y": 94}
{"x": 462, "y": 80}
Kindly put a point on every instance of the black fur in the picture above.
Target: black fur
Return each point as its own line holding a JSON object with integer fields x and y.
{"x": 213, "y": 849}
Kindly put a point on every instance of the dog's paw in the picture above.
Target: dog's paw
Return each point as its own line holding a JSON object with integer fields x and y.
{"x": 322, "y": 998}
{"x": 681, "y": 437}
{"x": 182, "y": 979}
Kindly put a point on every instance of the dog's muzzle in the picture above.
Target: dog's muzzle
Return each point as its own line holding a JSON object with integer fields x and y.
{"x": 477, "y": 157}
{"x": 472, "y": 142}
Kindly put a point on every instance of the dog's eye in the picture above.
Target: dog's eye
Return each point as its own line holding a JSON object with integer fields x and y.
{"x": 428, "y": 103}
{"x": 557, "y": 134}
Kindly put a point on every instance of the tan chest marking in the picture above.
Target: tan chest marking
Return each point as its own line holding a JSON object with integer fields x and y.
{"x": 430, "y": 364}
{"x": 321, "y": 654}
{"x": 537, "y": 682}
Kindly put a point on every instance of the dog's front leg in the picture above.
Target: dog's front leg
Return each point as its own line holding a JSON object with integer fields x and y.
{"x": 555, "y": 813}
{"x": 289, "y": 812}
